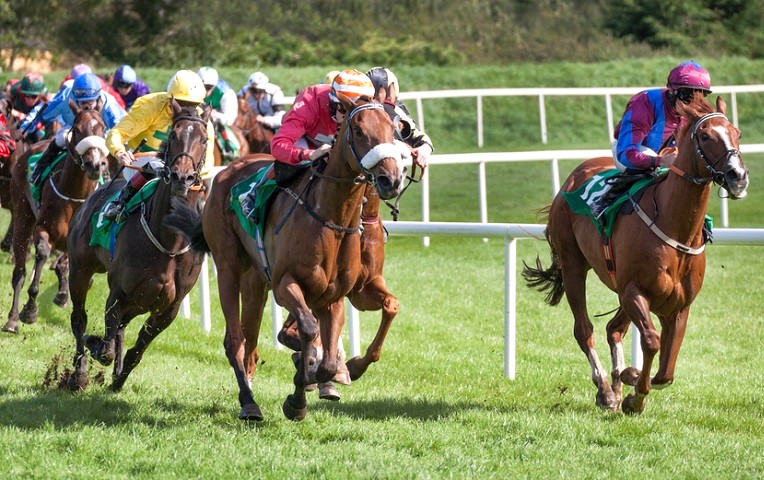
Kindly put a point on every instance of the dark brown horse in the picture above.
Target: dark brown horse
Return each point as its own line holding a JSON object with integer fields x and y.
{"x": 311, "y": 250}
{"x": 658, "y": 253}
{"x": 68, "y": 186}
{"x": 151, "y": 269}
{"x": 6, "y": 165}
{"x": 258, "y": 136}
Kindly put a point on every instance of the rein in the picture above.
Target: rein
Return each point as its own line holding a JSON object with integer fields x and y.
{"x": 154, "y": 240}
{"x": 165, "y": 174}
{"x": 716, "y": 176}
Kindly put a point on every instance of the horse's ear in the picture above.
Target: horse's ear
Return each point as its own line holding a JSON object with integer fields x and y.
{"x": 99, "y": 104}
{"x": 174, "y": 106}
{"x": 75, "y": 108}
{"x": 206, "y": 112}
{"x": 721, "y": 105}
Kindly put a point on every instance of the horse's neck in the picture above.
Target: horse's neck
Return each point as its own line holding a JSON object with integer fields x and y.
{"x": 338, "y": 201}
{"x": 681, "y": 205}
{"x": 71, "y": 180}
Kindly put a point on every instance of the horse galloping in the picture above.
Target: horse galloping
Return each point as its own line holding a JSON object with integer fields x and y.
{"x": 658, "y": 253}
{"x": 68, "y": 186}
{"x": 151, "y": 270}
{"x": 311, "y": 253}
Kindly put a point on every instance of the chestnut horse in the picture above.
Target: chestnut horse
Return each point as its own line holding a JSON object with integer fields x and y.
{"x": 258, "y": 136}
{"x": 64, "y": 191}
{"x": 311, "y": 250}
{"x": 658, "y": 253}
{"x": 151, "y": 269}
{"x": 219, "y": 158}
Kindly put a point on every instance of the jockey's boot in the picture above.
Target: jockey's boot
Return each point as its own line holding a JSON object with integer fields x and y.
{"x": 116, "y": 207}
{"x": 284, "y": 172}
{"x": 46, "y": 159}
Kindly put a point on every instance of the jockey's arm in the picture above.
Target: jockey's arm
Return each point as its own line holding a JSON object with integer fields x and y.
{"x": 229, "y": 108}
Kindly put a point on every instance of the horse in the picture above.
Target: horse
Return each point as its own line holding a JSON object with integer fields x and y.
{"x": 310, "y": 255}
{"x": 370, "y": 292}
{"x": 67, "y": 187}
{"x": 6, "y": 165}
{"x": 257, "y": 135}
{"x": 658, "y": 260}
{"x": 219, "y": 158}
{"x": 150, "y": 270}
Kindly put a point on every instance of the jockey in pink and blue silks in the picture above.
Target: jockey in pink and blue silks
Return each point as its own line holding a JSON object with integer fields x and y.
{"x": 650, "y": 120}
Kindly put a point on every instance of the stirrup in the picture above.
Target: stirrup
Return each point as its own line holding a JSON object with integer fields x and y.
{"x": 114, "y": 211}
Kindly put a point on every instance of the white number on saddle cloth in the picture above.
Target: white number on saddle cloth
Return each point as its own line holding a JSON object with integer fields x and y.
{"x": 596, "y": 187}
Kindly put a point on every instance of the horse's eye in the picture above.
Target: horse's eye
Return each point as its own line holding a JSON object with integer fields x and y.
{"x": 704, "y": 136}
{"x": 357, "y": 130}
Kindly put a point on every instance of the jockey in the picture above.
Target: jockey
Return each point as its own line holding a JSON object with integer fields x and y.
{"x": 86, "y": 92}
{"x": 386, "y": 92}
{"x": 128, "y": 85}
{"x": 7, "y": 144}
{"x": 309, "y": 127}
{"x": 265, "y": 99}
{"x": 28, "y": 93}
{"x": 650, "y": 120}
{"x": 225, "y": 108}
{"x": 150, "y": 119}
{"x": 81, "y": 68}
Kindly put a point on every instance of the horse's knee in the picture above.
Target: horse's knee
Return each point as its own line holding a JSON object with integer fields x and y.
{"x": 651, "y": 342}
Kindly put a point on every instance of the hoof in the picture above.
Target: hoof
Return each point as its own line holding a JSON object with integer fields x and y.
{"x": 77, "y": 383}
{"x": 633, "y": 405}
{"x": 251, "y": 413}
{"x": 310, "y": 387}
{"x": 61, "y": 299}
{"x": 28, "y": 314}
{"x": 11, "y": 326}
{"x": 356, "y": 367}
{"x": 5, "y": 246}
{"x": 607, "y": 400}
{"x": 292, "y": 412}
{"x": 629, "y": 376}
{"x": 326, "y": 391}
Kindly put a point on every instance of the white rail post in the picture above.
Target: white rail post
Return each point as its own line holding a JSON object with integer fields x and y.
{"x": 276, "y": 322}
{"x": 204, "y": 295}
{"x": 185, "y": 307}
{"x": 609, "y": 109}
{"x": 636, "y": 348}
{"x": 354, "y": 330}
{"x": 555, "y": 177}
{"x": 426, "y": 204}
{"x": 510, "y": 306}
{"x": 480, "y": 121}
{"x": 483, "y": 195}
{"x": 542, "y": 115}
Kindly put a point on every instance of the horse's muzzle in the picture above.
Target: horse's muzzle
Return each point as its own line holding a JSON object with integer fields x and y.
{"x": 736, "y": 181}
{"x": 388, "y": 187}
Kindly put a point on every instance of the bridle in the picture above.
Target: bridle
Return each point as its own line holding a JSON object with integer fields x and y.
{"x": 716, "y": 177}
{"x": 166, "y": 170}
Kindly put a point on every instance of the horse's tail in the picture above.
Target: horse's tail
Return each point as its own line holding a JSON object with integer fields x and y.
{"x": 547, "y": 281}
{"x": 187, "y": 221}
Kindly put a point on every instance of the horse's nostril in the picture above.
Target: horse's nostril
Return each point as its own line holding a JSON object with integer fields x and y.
{"x": 383, "y": 182}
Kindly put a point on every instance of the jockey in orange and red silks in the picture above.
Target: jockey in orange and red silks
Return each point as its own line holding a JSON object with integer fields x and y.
{"x": 650, "y": 120}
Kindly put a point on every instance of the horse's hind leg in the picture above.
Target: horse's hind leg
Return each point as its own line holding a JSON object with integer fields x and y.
{"x": 62, "y": 272}
{"x": 616, "y": 330}
{"x": 373, "y": 297}
{"x": 103, "y": 348}
{"x": 153, "y": 326}
{"x": 80, "y": 283}
{"x": 637, "y": 308}
{"x": 574, "y": 281}
{"x": 5, "y": 245}
{"x": 29, "y": 312}
{"x": 253, "y": 298}
{"x": 672, "y": 334}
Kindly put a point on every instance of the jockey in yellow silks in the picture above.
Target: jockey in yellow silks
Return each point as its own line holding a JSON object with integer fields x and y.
{"x": 150, "y": 119}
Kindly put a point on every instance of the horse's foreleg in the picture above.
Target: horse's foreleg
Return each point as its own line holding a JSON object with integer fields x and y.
{"x": 672, "y": 334}
{"x": 574, "y": 283}
{"x": 637, "y": 308}
{"x": 80, "y": 282}
{"x": 119, "y": 348}
{"x": 103, "y": 349}
{"x": 17, "y": 282}
{"x": 153, "y": 326}
{"x": 229, "y": 284}
{"x": 373, "y": 297}
{"x": 42, "y": 247}
{"x": 330, "y": 322}
{"x": 616, "y": 330}
{"x": 62, "y": 272}
{"x": 253, "y": 298}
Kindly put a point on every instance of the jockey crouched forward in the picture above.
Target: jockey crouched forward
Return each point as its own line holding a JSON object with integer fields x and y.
{"x": 86, "y": 92}
{"x": 645, "y": 138}
{"x": 225, "y": 108}
{"x": 150, "y": 119}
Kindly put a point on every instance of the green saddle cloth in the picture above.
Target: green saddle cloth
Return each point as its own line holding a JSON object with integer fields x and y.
{"x": 588, "y": 194}
{"x": 104, "y": 231}
{"x": 254, "y": 222}
{"x": 31, "y": 163}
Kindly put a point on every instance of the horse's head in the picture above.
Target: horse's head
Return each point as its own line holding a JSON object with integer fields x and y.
{"x": 368, "y": 134}
{"x": 186, "y": 147}
{"x": 715, "y": 142}
{"x": 86, "y": 142}
{"x": 6, "y": 108}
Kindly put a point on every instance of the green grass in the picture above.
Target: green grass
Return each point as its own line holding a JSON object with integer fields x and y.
{"x": 437, "y": 405}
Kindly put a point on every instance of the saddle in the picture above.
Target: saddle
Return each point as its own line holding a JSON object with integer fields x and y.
{"x": 31, "y": 164}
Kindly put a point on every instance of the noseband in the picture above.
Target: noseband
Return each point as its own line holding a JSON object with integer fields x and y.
{"x": 358, "y": 159}
{"x": 91, "y": 141}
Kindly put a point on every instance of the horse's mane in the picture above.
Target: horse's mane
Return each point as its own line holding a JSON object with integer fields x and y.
{"x": 185, "y": 111}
